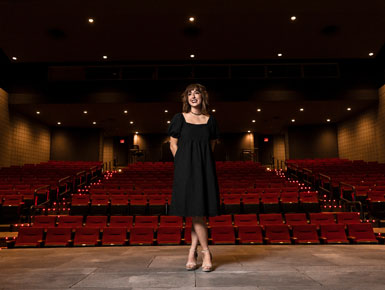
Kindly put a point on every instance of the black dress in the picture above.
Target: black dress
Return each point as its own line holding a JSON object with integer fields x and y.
{"x": 195, "y": 189}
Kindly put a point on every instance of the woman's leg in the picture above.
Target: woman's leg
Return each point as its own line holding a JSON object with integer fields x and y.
{"x": 194, "y": 244}
{"x": 201, "y": 231}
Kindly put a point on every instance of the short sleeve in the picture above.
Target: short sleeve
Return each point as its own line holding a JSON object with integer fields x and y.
{"x": 214, "y": 130}
{"x": 175, "y": 126}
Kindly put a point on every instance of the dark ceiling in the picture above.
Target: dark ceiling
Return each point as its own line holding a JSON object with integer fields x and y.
{"x": 152, "y": 30}
{"x": 60, "y": 70}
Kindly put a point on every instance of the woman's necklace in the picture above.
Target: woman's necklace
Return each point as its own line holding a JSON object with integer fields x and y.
{"x": 195, "y": 113}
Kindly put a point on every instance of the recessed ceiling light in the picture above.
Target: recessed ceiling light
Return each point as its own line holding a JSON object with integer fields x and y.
{"x": 293, "y": 18}
{"x": 105, "y": 56}
{"x": 14, "y": 57}
{"x": 137, "y": 133}
{"x": 371, "y": 53}
{"x": 168, "y": 122}
{"x": 327, "y": 120}
{"x": 253, "y": 121}
{"x": 125, "y": 111}
{"x": 94, "y": 122}
{"x": 192, "y": 55}
{"x": 258, "y": 110}
{"x": 349, "y": 109}
{"x": 301, "y": 109}
{"x": 279, "y": 54}
{"x": 191, "y": 19}
{"x": 213, "y": 110}
{"x": 85, "y": 112}
{"x": 248, "y": 131}
{"x": 292, "y": 120}
{"x": 59, "y": 123}
{"x": 131, "y": 122}
{"x": 90, "y": 20}
{"x": 38, "y": 112}
{"x": 166, "y": 111}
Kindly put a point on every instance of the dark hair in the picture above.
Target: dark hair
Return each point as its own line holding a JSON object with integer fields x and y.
{"x": 204, "y": 94}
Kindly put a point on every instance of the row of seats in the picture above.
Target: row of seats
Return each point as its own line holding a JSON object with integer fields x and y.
{"x": 155, "y": 222}
{"x": 269, "y": 234}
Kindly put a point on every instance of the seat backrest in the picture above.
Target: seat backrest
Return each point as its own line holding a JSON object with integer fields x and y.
{"x": 270, "y": 218}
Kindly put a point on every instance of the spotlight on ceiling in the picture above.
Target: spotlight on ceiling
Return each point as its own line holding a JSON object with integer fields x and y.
{"x": 349, "y": 109}
{"x": 90, "y": 20}
{"x": 168, "y": 122}
{"x": 293, "y": 18}
{"x": 59, "y": 123}
{"x": 248, "y": 131}
{"x": 279, "y": 54}
{"x": 94, "y": 122}
{"x": 213, "y": 110}
{"x": 258, "y": 110}
{"x": 14, "y": 58}
{"x": 192, "y": 55}
{"x": 105, "y": 56}
{"x": 301, "y": 109}
{"x": 166, "y": 111}
{"x": 136, "y": 133}
{"x": 292, "y": 120}
{"x": 191, "y": 19}
{"x": 125, "y": 112}
{"x": 253, "y": 121}
{"x": 328, "y": 120}
{"x": 85, "y": 112}
{"x": 371, "y": 53}
{"x": 131, "y": 122}
{"x": 38, "y": 112}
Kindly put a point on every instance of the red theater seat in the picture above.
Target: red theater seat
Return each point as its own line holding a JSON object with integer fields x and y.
{"x": 58, "y": 237}
{"x": 142, "y": 236}
{"x": 251, "y": 203}
{"x": 250, "y": 234}
{"x": 138, "y": 204}
{"x": 245, "y": 220}
{"x": 29, "y": 237}
{"x": 80, "y": 204}
{"x": 333, "y": 233}
{"x": 121, "y": 222}
{"x": 322, "y": 219}
{"x": 222, "y": 235}
{"x": 171, "y": 221}
{"x": 296, "y": 219}
{"x": 42, "y": 221}
{"x": 222, "y": 220}
{"x": 157, "y": 204}
{"x": 86, "y": 237}
{"x": 231, "y": 204}
{"x": 96, "y": 222}
{"x": 270, "y": 219}
{"x": 348, "y": 218}
{"x": 361, "y": 233}
{"x": 114, "y": 236}
{"x": 99, "y": 204}
{"x": 270, "y": 202}
{"x": 277, "y": 234}
{"x": 72, "y": 222}
{"x": 305, "y": 234}
{"x": 146, "y": 221}
{"x": 289, "y": 201}
{"x": 309, "y": 201}
{"x": 169, "y": 235}
{"x": 119, "y": 204}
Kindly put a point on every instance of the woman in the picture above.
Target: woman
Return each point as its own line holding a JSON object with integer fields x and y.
{"x": 195, "y": 194}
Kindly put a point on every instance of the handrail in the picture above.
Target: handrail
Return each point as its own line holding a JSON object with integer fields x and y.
{"x": 35, "y": 194}
{"x": 64, "y": 178}
{"x": 321, "y": 185}
{"x": 354, "y": 200}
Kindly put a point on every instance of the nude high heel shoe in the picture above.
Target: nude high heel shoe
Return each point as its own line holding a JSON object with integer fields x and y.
{"x": 192, "y": 265}
{"x": 207, "y": 267}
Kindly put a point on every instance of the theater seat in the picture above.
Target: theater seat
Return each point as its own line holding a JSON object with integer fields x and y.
{"x": 322, "y": 219}
{"x": 296, "y": 219}
{"x": 333, "y": 234}
{"x": 80, "y": 204}
{"x": 72, "y": 222}
{"x": 42, "y": 221}
{"x": 245, "y": 220}
{"x": 270, "y": 219}
{"x": 361, "y": 233}
{"x": 119, "y": 204}
{"x": 305, "y": 234}
{"x": 277, "y": 234}
{"x": 171, "y": 221}
{"x": 231, "y": 204}
{"x": 58, "y": 237}
{"x": 250, "y": 203}
{"x": 121, "y": 222}
{"x": 146, "y": 221}
{"x": 222, "y": 235}
{"x": 141, "y": 236}
{"x": 86, "y": 237}
{"x": 250, "y": 234}
{"x": 222, "y": 220}
{"x": 169, "y": 235}
{"x": 96, "y": 222}
{"x": 114, "y": 236}
{"x": 348, "y": 218}
{"x": 28, "y": 237}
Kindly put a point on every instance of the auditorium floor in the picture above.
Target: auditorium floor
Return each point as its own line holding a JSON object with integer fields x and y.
{"x": 350, "y": 267}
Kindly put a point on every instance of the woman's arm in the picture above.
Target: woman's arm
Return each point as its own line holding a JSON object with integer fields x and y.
{"x": 173, "y": 145}
{"x": 213, "y": 142}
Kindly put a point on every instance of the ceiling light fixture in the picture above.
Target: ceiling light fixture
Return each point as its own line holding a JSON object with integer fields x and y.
{"x": 59, "y": 123}
{"x": 191, "y": 19}
{"x": 327, "y": 120}
{"x": 293, "y": 18}
{"x": 248, "y": 131}
{"x": 131, "y": 122}
{"x": 136, "y": 133}
{"x": 253, "y": 121}
{"x": 279, "y": 54}
{"x": 371, "y": 53}
{"x": 90, "y": 20}
{"x": 14, "y": 57}
{"x": 85, "y": 112}
{"x": 94, "y": 122}
{"x": 38, "y": 112}
{"x": 166, "y": 111}
{"x": 192, "y": 55}
{"x": 125, "y": 111}
{"x": 258, "y": 110}
{"x": 105, "y": 56}
{"x": 292, "y": 120}
{"x": 349, "y": 109}
{"x": 301, "y": 109}
{"x": 213, "y": 110}
{"x": 168, "y": 122}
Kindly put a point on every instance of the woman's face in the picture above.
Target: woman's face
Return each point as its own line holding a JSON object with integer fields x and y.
{"x": 194, "y": 98}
